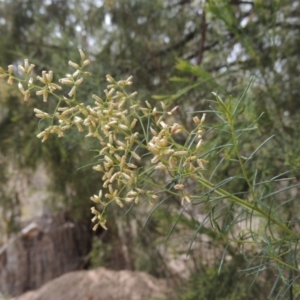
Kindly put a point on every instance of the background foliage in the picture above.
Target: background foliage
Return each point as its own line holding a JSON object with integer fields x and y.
{"x": 178, "y": 52}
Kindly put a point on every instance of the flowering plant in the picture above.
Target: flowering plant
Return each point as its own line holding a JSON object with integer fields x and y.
{"x": 144, "y": 155}
{"x": 127, "y": 132}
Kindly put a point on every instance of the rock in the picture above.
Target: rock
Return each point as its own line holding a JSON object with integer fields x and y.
{"x": 102, "y": 284}
{"x": 43, "y": 250}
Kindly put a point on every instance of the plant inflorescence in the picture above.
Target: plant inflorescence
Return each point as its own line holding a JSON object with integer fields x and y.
{"x": 127, "y": 132}
{"x": 144, "y": 155}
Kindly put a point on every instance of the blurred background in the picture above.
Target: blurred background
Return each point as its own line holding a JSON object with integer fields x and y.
{"x": 182, "y": 49}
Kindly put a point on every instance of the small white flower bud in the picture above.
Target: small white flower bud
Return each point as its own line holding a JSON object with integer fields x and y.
{"x": 202, "y": 119}
{"x": 86, "y": 62}
{"x": 110, "y": 79}
{"x": 109, "y": 160}
{"x": 30, "y": 82}
{"x": 171, "y": 112}
{"x": 129, "y": 199}
{"x": 44, "y": 77}
{"x": 31, "y": 67}
{"x": 155, "y": 159}
{"x": 163, "y": 124}
{"x": 22, "y": 69}
{"x": 20, "y": 86}
{"x": 132, "y": 95}
{"x": 98, "y": 168}
{"x": 160, "y": 166}
{"x": 40, "y": 79}
{"x": 94, "y": 210}
{"x": 82, "y": 55}
{"x": 180, "y": 153}
{"x": 178, "y": 186}
{"x": 130, "y": 165}
{"x": 199, "y": 144}
{"x": 133, "y": 123}
{"x": 118, "y": 202}
{"x": 76, "y": 73}
{"x": 148, "y": 105}
{"x": 79, "y": 81}
{"x": 10, "y": 80}
{"x": 96, "y": 227}
{"x": 137, "y": 157}
{"x": 77, "y": 119}
{"x": 73, "y": 65}
{"x": 10, "y": 69}
{"x": 26, "y": 95}
{"x": 102, "y": 224}
{"x": 122, "y": 126}
{"x": 169, "y": 151}
{"x": 40, "y": 113}
{"x": 26, "y": 64}
{"x": 153, "y": 131}
{"x": 54, "y": 86}
{"x": 98, "y": 99}
{"x": 186, "y": 198}
{"x": 49, "y": 76}
{"x": 95, "y": 199}
{"x": 127, "y": 177}
{"x": 122, "y": 162}
{"x": 45, "y": 95}
{"x": 72, "y": 92}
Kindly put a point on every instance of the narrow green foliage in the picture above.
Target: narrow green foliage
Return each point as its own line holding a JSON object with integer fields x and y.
{"x": 144, "y": 154}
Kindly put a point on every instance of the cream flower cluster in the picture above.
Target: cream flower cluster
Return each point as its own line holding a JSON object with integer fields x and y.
{"x": 126, "y": 131}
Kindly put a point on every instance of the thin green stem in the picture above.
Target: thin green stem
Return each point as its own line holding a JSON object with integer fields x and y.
{"x": 236, "y": 148}
{"x": 230, "y": 119}
{"x": 248, "y": 206}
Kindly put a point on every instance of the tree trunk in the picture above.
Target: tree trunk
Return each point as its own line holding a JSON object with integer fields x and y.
{"x": 43, "y": 250}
